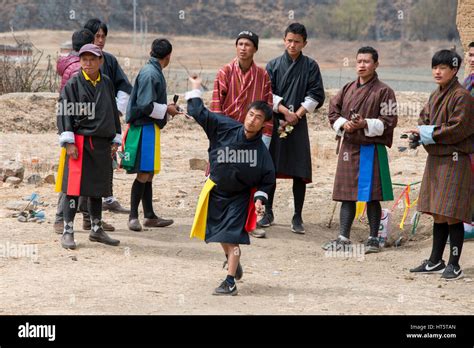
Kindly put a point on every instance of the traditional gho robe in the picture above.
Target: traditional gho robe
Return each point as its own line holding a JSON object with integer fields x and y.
{"x": 237, "y": 166}
{"x": 294, "y": 84}
{"x": 362, "y": 172}
{"x": 87, "y": 116}
{"x": 146, "y": 115}
{"x": 447, "y": 133}
{"x": 122, "y": 86}
{"x": 469, "y": 84}
{"x": 235, "y": 90}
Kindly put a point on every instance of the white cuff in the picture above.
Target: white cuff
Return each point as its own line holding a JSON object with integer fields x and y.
{"x": 266, "y": 140}
{"x": 66, "y": 137}
{"x": 426, "y": 134}
{"x": 276, "y": 101}
{"x": 122, "y": 101}
{"x": 117, "y": 139}
{"x": 309, "y": 104}
{"x": 195, "y": 93}
{"x": 375, "y": 127}
{"x": 159, "y": 111}
{"x": 260, "y": 194}
{"x": 338, "y": 124}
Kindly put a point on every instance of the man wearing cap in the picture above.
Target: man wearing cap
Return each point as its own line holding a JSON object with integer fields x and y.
{"x": 122, "y": 90}
{"x": 89, "y": 127}
{"x": 241, "y": 82}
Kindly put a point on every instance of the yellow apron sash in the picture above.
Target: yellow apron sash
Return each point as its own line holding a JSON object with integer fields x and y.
{"x": 200, "y": 217}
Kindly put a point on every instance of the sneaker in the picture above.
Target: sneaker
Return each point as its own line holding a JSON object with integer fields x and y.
{"x": 238, "y": 273}
{"x": 258, "y": 233}
{"x": 266, "y": 221}
{"x": 226, "y": 289}
{"x": 297, "y": 225}
{"x": 429, "y": 267}
{"x": 372, "y": 246}
{"x": 452, "y": 272}
{"x": 338, "y": 244}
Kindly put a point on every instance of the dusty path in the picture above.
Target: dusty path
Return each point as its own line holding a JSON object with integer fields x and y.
{"x": 162, "y": 271}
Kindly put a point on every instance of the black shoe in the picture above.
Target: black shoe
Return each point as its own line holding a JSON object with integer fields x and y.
{"x": 429, "y": 267}
{"x": 102, "y": 237}
{"x": 67, "y": 241}
{"x": 226, "y": 289}
{"x": 157, "y": 222}
{"x": 266, "y": 220}
{"x": 452, "y": 272}
{"x": 372, "y": 246}
{"x": 338, "y": 244}
{"x": 134, "y": 225}
{"x": 239, "y": 272}
{"x": 297, "y": 225}
{"x": 115, "y": 207}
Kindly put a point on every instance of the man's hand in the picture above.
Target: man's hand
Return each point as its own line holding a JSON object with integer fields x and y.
{"x": 196, "y": 81}
{"x": 173, "y": 110}
{"x": 114, "y": 148}
{"x": 259, "y": 207}
{"x": 359, "y": 122}
{"x": 349, "y": 127}
{"x": 413, "y": 138}
{"x": 72, "y": 151}
{"x": 291, "y": 118}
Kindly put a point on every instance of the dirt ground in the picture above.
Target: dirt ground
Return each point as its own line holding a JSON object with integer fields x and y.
{"x": 162, "y": 271}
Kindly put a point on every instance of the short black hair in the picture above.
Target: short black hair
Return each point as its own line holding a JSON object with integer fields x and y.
{"x": 94, "y": 24}
{"x": 297, "y": 28}
{"x": 160, "y": 48}
{"x": 262, "y": 106}
{"x": 371, "y": 50}
{"x": 446, "y": 57}
{"x": 80, "y": 38}
{"x": 471, "y": 44}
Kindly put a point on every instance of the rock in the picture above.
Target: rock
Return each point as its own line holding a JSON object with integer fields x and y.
{"x": 49, "y": 179}
{"x": 54, "y": 167}
{"x": 12, "y": 168}
{"x": 34, "y": 179}
{"x": 15, "y": 205}
{"x": 198, "y": 164}
{"x": 13, "y": 180}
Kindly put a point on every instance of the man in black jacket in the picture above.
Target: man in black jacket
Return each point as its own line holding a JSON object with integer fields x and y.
{"x": 89, "y": 127}
{"x": 146, "y": 114}
{"x": 122, "y": 90}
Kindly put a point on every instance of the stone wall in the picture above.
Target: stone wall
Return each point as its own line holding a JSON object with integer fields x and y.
{"x": 465, "y": 23}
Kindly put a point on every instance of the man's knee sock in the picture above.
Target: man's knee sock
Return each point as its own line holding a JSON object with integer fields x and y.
{"x": 440, "y": 237}
{"x": 374, "y": 214}
{"x": 69, "y": 212}
{"x": 456, "y": 241}
{"x": 346, "y": 218}
{"x": 136, "y": 196}
{"x": 299, "y": 192}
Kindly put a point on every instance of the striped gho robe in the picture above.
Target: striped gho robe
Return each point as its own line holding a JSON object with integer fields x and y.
{"x": 362, "y": 172}
{"x": 447, "y": 131}
{"x": 235, "y": 90}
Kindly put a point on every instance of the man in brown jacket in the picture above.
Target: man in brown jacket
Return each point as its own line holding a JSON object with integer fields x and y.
{"x": 363, "y": 114}
{"x": 446, "y": 131}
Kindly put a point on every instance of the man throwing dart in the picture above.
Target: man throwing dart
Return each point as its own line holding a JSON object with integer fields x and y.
{"x": 241, "y": 176}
